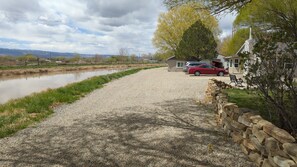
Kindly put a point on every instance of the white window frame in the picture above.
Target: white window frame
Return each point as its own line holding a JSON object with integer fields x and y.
{"x": 180, "y": 62}
{"x": 236, "y": 64}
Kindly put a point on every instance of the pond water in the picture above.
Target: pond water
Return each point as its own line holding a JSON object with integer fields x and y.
{"x": 12, "y": 88}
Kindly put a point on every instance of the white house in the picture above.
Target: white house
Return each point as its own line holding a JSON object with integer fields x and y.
{"x": 248, "y": 46}
{"x": 234, "y": 61}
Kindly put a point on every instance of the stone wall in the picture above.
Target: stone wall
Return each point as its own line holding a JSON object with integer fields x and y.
{"x": 264, "y": 143}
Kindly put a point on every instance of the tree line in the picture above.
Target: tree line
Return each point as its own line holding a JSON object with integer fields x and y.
{"x": 122, "y": 57}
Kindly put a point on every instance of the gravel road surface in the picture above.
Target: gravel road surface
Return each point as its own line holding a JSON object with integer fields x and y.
{"x": 147, "y": 119}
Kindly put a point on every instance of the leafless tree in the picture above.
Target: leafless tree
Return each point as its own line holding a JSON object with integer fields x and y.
{"x": 123, "y": 52}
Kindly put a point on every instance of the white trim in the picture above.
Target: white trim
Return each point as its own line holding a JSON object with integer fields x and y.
{"x": 183, "y": 64}
{"x": 240, "y": 49}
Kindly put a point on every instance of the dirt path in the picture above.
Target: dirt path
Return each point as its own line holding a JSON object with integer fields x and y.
{"x": 146, "y": 119}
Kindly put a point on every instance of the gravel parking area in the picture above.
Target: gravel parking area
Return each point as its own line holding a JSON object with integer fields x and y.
{"x": 147, "y": 119}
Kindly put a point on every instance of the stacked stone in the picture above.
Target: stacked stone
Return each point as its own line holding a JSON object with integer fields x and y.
{"x": 221, "y": 84}
{"x": 211, "y": 92}
{"x": 264, "y": 143}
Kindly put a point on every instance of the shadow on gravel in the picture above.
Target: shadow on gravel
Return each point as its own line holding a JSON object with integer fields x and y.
{"x": 173, "y": 133}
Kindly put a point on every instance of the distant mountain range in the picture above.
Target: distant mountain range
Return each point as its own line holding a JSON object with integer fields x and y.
{"x": 40, "y": 53}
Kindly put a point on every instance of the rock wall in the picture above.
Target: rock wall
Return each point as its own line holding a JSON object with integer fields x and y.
{"x": 264, "y": 143}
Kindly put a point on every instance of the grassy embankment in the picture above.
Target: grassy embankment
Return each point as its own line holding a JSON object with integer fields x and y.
{"x": 19, "y": 114}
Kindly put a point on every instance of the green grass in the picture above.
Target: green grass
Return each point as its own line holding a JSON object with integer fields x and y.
{"x": 251, "y": 100}
{"x": 19, "y": 114}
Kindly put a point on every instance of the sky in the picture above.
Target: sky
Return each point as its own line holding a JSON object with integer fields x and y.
{"x": 84, "y": 26}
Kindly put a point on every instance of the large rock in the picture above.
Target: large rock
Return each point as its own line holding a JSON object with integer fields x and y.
{"x": 271, "y": 146}
{"x": 248, "y": 144}
{"x": 283, "y": 162}
{"x": 260, "y": 135}
{"x": 257, "y": 145}
{"x": 280, "y": 134}
{"x": 247, "y": 133}
{"x": 256, "y": 118}
{"x": 244, "y": 149}
{"x": 261, "y": 123}
{"x": 233, "y": 125}
{"x": 224, "y": 115}
{"x": 255, "y": 157}
{"x": 220, "y": 109}
{"x": 235, "y": 116}
{"x": 244, "y": 119}
{"x": 266, "y": 163}
{"x": 291, "y": 150}
{"x": 271, "y": 161}
{"x": 238, "y": 126}
{"x": 230, "y": 109}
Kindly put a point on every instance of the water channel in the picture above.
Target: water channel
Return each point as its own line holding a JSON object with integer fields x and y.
{"x": 12, "y": 88}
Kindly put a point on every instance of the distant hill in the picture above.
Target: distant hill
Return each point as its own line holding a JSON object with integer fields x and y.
{"x": 40, "y": 53}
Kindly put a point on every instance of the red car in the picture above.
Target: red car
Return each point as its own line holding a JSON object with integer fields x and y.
{"x": 207, "y": 69}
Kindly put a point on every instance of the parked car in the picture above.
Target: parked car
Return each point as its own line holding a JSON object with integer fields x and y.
{"x": 191, "y": 64}
{"x": 207, "y": 69}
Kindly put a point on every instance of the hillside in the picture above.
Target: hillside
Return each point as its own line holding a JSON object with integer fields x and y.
{"x": 40, "y": 53}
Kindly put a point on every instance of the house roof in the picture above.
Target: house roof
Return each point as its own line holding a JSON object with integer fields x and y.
{"x": 230, "y": 57}
{"x": 170, "y": 58}
{"x": 190, "y": 59}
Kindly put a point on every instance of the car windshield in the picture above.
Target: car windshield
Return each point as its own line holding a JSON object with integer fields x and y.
{"x": 194, "y": 64}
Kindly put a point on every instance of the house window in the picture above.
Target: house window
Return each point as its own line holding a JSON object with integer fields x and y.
{"x": 231, "y": 63}
{"x": 236, "y": 62}
{"x": 180, "y": 64}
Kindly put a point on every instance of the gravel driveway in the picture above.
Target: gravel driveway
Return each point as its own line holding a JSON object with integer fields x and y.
{"x": 147, "y": 119}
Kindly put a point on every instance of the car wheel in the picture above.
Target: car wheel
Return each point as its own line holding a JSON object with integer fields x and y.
{"x": 197, "y": 73}
{"x": 221, "y": 74}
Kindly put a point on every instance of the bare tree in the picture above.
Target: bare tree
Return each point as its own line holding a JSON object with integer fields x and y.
{"x": 216, "y": 6}
{"x": 123, "y": 52}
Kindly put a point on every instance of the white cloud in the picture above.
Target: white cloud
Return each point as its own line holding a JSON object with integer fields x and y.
{"x": 226, "y": 22}
{"x": 84, "y": 26}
